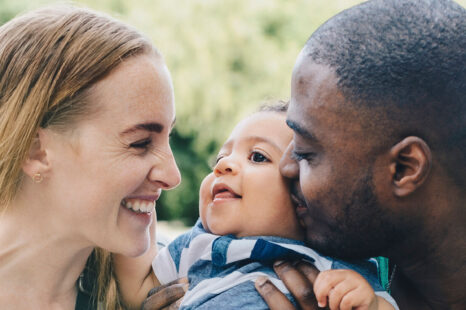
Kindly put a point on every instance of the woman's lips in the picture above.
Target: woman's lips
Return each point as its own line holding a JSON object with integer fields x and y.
{"x": 141, "y": 204}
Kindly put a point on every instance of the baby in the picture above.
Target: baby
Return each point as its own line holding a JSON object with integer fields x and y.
{"x": 248, "y": 221}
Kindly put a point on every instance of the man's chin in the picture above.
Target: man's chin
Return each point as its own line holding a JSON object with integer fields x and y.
{"x": 338, "y": 248}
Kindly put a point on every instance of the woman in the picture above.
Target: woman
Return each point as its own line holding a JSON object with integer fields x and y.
{"x": 86, "y": 108}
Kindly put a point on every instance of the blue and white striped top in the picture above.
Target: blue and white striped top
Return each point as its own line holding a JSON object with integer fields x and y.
{"x": 222, "y": 269}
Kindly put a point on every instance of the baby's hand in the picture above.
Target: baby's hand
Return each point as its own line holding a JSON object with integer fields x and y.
{"x": 345, "y": 289}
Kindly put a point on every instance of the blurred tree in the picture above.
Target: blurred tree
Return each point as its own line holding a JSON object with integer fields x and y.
{"x": 225, "y": 56}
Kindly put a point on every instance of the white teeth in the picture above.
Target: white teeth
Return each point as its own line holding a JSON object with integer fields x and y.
{"x": 146, "y": 207}
{"x": 140, "y": 206}
{"x": 136, "y": 206}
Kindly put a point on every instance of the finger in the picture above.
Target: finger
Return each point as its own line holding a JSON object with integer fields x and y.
{"x": 308, "y": 269}
{"x": 174, "y": 306}
{"x": 324, "y": 283}
{"x": 297, "y": 283}
{"x": 161, "y": 287}
{"x": 337, "y": 293}
{"x": 275, "y": 299}
{"x": 332, "y": 284}
{"x": 165, "y": 297}
{"x": 352, "y": 299}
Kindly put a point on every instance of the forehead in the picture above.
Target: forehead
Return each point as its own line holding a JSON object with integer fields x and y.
{"x": 267, "y": 125}
{"x": 140, "y": 87}
{"x": 316, "y": 101}
{"x": 315, "y": 85}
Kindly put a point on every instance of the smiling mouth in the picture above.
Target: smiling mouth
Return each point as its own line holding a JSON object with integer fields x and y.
{"x": 139, "y": 205}
{"x": 221, "y": 191}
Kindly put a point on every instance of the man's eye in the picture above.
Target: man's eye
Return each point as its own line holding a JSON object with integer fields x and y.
{"x": 298, "y": 156}
{"x": 258, "y": 157}
{"x": 141, "y": 144}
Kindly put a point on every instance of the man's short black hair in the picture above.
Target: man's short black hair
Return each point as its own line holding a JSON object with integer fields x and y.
{"x": 405, "y": 59}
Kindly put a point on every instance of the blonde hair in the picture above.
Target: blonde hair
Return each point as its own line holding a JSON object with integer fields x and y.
{"x": 49, "y": 58}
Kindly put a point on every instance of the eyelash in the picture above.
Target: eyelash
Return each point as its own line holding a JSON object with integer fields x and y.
{"x": 302, "y": 156}
{"x": 141, "y": 144}
{"x": 256, "y": 152}
{"x": 250, "y": 158}
{"x": 218, "y": 159}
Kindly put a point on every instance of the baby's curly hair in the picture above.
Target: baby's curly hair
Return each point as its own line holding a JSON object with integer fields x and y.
{"x": 280, "y": 106}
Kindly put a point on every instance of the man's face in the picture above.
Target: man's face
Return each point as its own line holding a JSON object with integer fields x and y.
{"x": 332, "y": 158}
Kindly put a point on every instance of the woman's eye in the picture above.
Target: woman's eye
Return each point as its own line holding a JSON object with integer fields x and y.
{"x": 141, "y": 144}
{"x": 302, "y": 156}
{"x": 258, "y": 157}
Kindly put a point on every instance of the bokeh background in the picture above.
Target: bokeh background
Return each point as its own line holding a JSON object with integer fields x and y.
{"x": 226, "y": 58}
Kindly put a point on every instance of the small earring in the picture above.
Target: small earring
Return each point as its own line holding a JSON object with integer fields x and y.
{"x": 37, "y": 178}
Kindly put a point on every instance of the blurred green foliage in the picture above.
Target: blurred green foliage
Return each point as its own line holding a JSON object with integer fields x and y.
{"x": 225, "y": 57}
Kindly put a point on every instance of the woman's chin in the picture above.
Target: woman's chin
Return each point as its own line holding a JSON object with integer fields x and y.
{"x": 136, "y": 248}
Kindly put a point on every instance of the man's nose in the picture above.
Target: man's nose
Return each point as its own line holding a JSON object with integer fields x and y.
{"x": 289, "y": 167}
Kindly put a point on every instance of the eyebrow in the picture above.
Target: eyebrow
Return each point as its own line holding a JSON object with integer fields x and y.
{"x": 151, "y": 127}
{"x": 300, "y": 130}
{"x": 264, "y": 140}
{"x": 229, "y": 143}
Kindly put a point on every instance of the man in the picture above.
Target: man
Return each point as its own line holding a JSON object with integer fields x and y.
{"x": 379, "y": 149}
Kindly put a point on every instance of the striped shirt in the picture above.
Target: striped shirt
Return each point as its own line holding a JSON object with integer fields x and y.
{"x": 222, "y": 269}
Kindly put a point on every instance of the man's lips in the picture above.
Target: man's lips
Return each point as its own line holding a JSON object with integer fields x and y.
{"x": 298, "y": 202}
{"x": 301, "y": 209}
{"x": 223, "y": 191}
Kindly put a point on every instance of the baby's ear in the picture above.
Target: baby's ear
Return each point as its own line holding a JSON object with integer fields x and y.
{"x": 36, "y": 165}
{"x": 411, "y": 160}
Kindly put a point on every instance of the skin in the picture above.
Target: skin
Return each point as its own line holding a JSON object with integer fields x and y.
{"x": 248, "y": 164}
{"x": 245, "y": 164}
{"x": 88, "y": 171}
{"x": 393, "y": 199}
{"x": 346, "y": 290}
{"x": 249, "y": 159}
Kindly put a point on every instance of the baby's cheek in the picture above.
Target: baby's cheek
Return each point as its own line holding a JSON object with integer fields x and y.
{"x": 205, "y": 197}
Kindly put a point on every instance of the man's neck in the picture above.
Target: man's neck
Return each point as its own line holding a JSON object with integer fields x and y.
{"x": 430, "y": 267}
{"x": 414, "y": 295}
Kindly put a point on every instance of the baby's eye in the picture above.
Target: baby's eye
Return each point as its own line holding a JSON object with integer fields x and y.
{"x": 218, "y": 158}
{"x": 258, "y": 157}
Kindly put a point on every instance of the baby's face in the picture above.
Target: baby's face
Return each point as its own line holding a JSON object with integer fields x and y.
{"x": 246, "y": 195}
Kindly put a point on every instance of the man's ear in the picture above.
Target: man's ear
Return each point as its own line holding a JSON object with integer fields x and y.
{"x": 411, "y": 160}
{"x": 36, "y": 161}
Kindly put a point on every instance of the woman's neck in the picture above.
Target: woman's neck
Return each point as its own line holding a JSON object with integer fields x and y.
{"x": 39, "y": 267}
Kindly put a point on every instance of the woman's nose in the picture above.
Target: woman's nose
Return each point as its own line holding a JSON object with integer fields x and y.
{"x": 165, "y": 171}
{"x": 289, "y": 168}
{"x": 226, "y": 165}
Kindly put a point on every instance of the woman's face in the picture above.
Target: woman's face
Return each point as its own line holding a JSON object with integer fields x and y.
{"x": 117, "y": 160}
{"x": 246, "y": 194}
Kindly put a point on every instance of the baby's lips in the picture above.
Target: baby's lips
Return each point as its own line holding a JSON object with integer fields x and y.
{"x": 226, "y": 194}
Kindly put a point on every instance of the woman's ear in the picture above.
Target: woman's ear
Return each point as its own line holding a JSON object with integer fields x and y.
{"x": 36, "y": 164}
{"x": 411, "y": 160}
